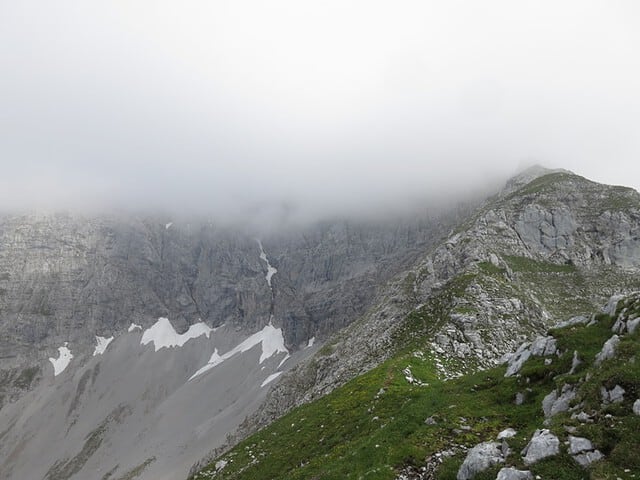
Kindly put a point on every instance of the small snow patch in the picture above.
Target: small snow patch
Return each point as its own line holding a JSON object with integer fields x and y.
{"x": 311, "y": 341}
{"x": 102, "y": 345}
{"x": 168, "y": 226}
{"x": 272, "y": 342}
{"x": 162, "y": 334}
{"x": 271, "y": 271}
{"x": 270, "y": 379}
{"x": 133, "y": 327}
{"x": 63, "y": 360}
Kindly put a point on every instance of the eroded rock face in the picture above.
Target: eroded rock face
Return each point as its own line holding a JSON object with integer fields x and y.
{"x": 67, "y": 278}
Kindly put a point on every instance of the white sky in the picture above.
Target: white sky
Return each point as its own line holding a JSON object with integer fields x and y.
{"x": 330, "y": 105}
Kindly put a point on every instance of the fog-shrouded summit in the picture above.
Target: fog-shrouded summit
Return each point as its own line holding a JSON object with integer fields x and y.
{"x": 225, "y": 108}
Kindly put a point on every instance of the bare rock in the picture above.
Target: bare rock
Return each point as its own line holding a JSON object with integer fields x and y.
{"x": 507, "y": 433}
{"x": 480, "y": 458}
{"x": 608, "y": 350}
{"x": 514, "y": 474}
{"x": 615, "y": 395}
{"x": 543, "y": 444}
{"x": 554, "y": 403}
{"x": 579, "y": 445}
{"x": 587, "y": 458}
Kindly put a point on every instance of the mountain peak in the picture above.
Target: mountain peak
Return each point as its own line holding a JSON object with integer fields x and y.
{"x": 530, "y": 174}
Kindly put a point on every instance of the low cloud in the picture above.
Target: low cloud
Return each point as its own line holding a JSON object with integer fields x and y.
{"x": 229, "y": 109}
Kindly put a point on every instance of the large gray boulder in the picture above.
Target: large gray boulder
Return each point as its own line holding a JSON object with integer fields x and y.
{"x": 543, "y": 444}
{"x": 480, "y": 458}
{"x": 579, "y": 445}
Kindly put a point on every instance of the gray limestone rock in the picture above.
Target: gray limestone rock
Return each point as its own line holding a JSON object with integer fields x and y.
{"x": 506, "y": 433}
{"x": 575, "y": 362}
{"x": 511, "y": 473}
{"x": 479, "y": 458}
{"x": 612, "y": 304}
{"x": 587, "y": 458}
{"x": 632, "y": 325}
{"x": 579, "y": 445}
{"x": 553, "y": 403}
{"x": 579, "y": 320}
{"x": 636, "y": 407}
{"x": 543, "y": 444}
{"x": 608, "y": 350}
{"x": 615, "y": 395}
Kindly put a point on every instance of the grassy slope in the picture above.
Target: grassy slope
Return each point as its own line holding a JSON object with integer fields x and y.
{"x": 358, "y": 431}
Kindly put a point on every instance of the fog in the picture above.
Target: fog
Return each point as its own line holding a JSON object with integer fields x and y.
{"x": 227, "y": 107}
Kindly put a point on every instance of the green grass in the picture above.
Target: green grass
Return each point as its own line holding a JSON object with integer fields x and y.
{"x": 374, "y": 426}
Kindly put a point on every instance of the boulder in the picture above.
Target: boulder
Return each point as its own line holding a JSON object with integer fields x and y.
{"x": 480, "y": 458}
{"x": 513, "y": 474}
{"x": 632, "y": 325}
{"x": 579, "y": 445}
{"x": 543, "y": 346}
{"x": 636, "y": 407}
{"x": 543, "y": 444}
{"x": 587, "y": 458}
{"x": 506, "y": 433}
{"x": 615, "y": 395}
{"x": 554, "y": 404}
{"x": 608, "y": 350}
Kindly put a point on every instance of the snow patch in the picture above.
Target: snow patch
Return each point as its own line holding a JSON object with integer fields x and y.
{"x": 311, "y": 341}
{"x": 133, "y": 327}
{"x": 102, "y": 345}
{"x": 168, "y": 226}
{"x": 63, "y": 360}
{"x": 270, "y": 378}
{"x": 272, "y": 343}
{"x": 271, "y": 271}
{"x": 162, "y": 334}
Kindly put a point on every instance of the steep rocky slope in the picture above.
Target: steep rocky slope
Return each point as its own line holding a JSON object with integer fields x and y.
{"x": 566, "y": 405}
{"x": 551, "y": 245}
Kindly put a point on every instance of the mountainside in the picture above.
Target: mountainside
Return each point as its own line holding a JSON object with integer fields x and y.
{"x": 551, "y": 245}
{"x": 135, "y": 348}
{"x": 104, "y": 321}
{"x": 566, "y": 405}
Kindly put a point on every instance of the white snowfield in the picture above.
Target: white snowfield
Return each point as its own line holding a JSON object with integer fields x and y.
{"x": 271, "y": 271}
{"x": 102, "y": 345}
{"x": 163, "y": 335}
{"x": 272, "y": 342}
{"x": 63, "y": 360}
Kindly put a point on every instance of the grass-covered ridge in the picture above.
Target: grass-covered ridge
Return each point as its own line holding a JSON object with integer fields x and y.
{"x": 374, "y": 426}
